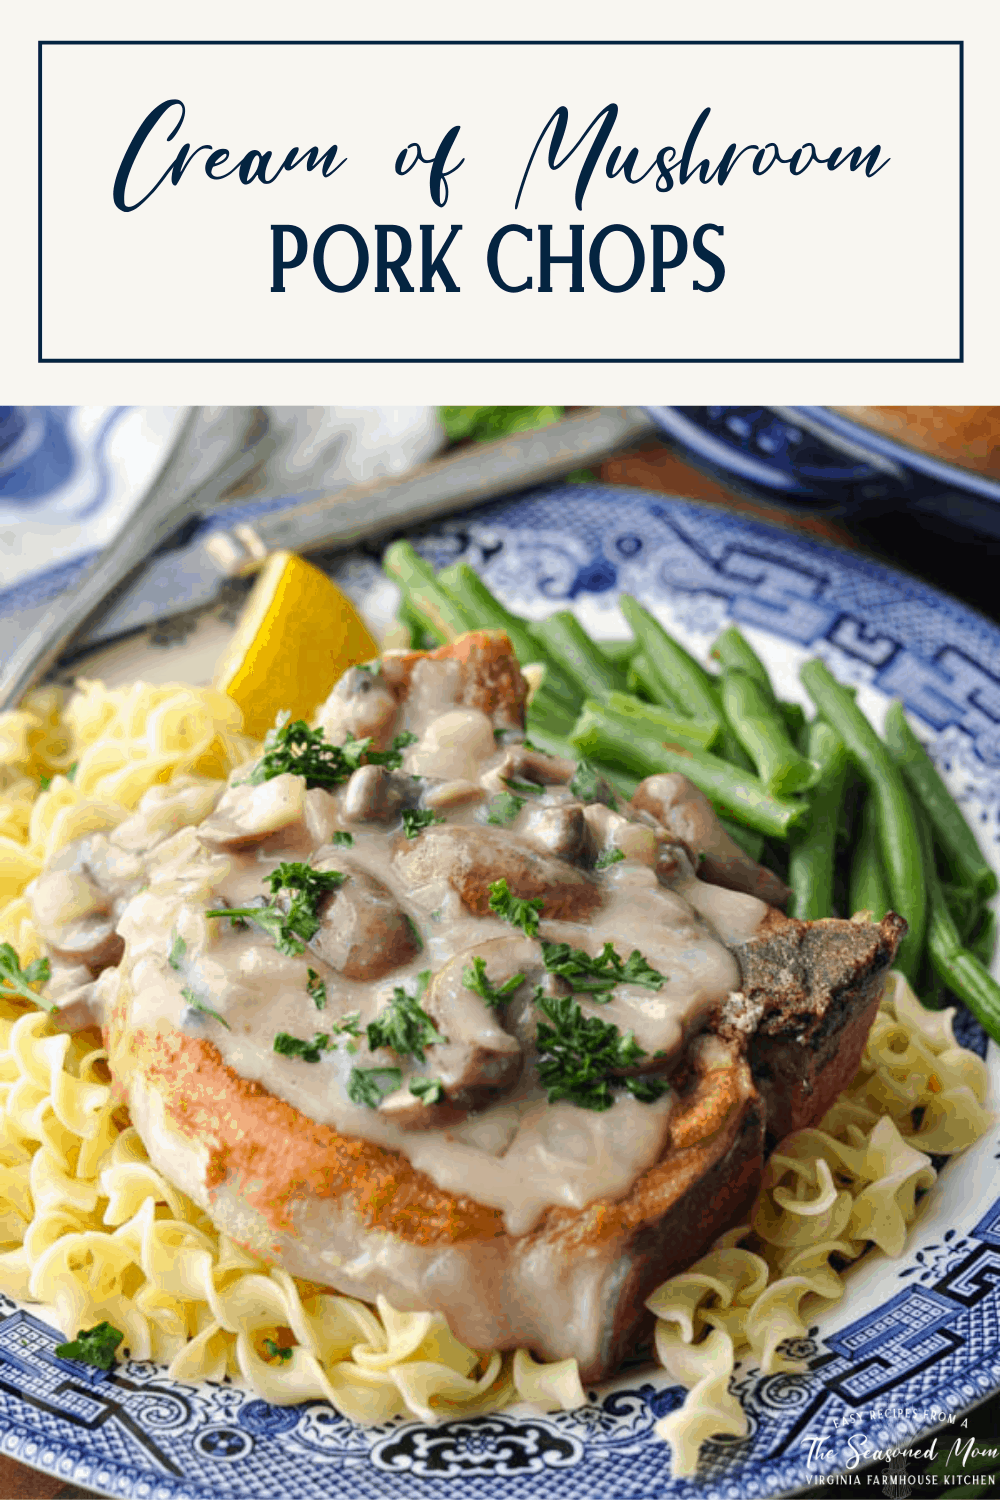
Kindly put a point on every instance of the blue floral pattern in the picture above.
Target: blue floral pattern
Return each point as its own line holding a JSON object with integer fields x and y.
{"x": 917, "y": 1343}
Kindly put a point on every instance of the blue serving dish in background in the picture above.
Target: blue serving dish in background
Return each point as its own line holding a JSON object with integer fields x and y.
{"x": 813, "y": 457}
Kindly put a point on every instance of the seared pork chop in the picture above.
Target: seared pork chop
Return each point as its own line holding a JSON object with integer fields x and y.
{"x": 512, "y": 1060}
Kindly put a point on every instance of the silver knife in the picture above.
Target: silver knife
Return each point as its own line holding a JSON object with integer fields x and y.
{"x": 191, "y": 577}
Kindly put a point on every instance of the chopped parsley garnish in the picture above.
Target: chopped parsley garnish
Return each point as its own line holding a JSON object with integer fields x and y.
{"x": 392, "y": 758}
{"x": 14, "y": 978}
{"x": 429, "y": 1090}
{"x": 198, "y": 1004}
{"x": 296, "y": 1046}
{"x": 581, "y": 1054}
{"x": 474, "y": 978}
{"x": 529, "y": 788}
{"x": 316, "y": 989}
{"x": 363, "y": 1086}
{"x": 342, "y": 839}
{"x": 590, "y": 786}
{"x": 512, "y": 909}
{"x": 292, "y": 746}
{"x": 416, "y": 818}
{"x": 609, "y": 857}
{"x": 276, "y": 1351}
{"x": 404, "y": 1026}
{"x": 178, "y": 948}
{"x": 290, "y": 929}
{"x": 592, "y": 976}
{"x": 503, "y": 809}
{"x": 71, "y": 773}
{"x": 323, "y": 1041}
{"x": 647, "y": 1090}
{"x": 44, "y": 782}
{"x": 93, "y": 1346}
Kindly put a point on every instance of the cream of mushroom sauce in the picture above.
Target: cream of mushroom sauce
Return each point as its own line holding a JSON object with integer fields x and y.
{"x": 518, "y": 1154}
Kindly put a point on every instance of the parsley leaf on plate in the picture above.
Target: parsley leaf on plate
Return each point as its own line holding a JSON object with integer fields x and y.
{"x": 198, "y": 1004}
{"x": 502, "y": 809}
{"x": 591, "y": 976}
{"x": 580, "y": 1055}
{"x": 475, "y": 979}
{"x": 19, "y": 981}
{"x": 430, "y": 1090}
{"x": 416, "y": 818}
{"x": 178, "y": 948}
{"x": 404, "y": 1025}
{"x": 316, "y": 989}
{"x": 292, "y": 746}
{"x": 92, "y": 1346}
{"x": 512, "y": 909}
{"x": 609, "y": 857}
{"x": 590, "y": 786}
{"x": 290, "y": 929}
{"x": 363, "y": 1086}
{"x": 277, "y": 1351}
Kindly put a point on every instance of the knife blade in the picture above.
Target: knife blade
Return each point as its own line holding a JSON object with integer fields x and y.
{"x": 193, "y": 575}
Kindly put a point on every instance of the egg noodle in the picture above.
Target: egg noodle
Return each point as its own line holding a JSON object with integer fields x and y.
{"x": 91, "y": 1230}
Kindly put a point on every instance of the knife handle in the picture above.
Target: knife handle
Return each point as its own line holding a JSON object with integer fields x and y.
{"x": 210, "y": 454}
{"x": 472, "y": 475}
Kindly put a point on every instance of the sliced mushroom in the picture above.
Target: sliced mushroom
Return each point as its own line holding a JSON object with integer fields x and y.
{"x": 364, "y": 933}
{"x": 471, "y": 859}
{"x": 248, "y": 814}
{"x": 321, "y": 815}
{"x": 560, "y": 830}
{"x": 610, "y": 831}
{"x": 480, "y": 1058}
{"x": 375, "y": 795}
{"x": 683, "y": 810}
{"x": 522, "y": 764}
{"x": 73, "y": 992}
{"x": 77, "y": 901}
{"x": 363, "y": 705}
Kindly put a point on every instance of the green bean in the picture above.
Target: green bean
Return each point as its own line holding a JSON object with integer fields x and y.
{"x": 955, "y": 964}
{"x": 643, "y": 678}
{"x": 812, "y": 847}
{"x": 794, "y": 716}
{"x": 441, "y": 613}
{"x": 619, "y": 739}
{"x": 688, "y": 681}
{"x": 754, "y": 719}
{"x": 898, "y": 832}
{"x": 984, "y": 941}
{"x": 734, "y": 653}
{"x": 750, "y": 842}
{"x": 550, "y": 711}
{"x": 564, "y": 638}
{"x": 742, "y": 796}
{"x": 951, "y": 831}
{"x": 652, "y": 721}
{"x": 619, "y": 653}
{"x": 421, "y": 635}
{"x": 964, "y": 906}
{"x": 869, "y": 887}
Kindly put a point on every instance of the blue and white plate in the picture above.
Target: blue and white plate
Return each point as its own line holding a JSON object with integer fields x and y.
{"x": 914, "y": 1343}
{"x": 817, "y": 458}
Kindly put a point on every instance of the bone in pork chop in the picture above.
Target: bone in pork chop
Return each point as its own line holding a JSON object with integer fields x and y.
{"x": 543, "y": 1087}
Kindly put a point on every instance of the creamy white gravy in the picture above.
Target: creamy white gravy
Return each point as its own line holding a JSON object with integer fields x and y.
{"x": 513, "y": 1151}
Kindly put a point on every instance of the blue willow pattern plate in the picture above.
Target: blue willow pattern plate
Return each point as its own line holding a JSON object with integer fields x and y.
{"x": 914, "y": 1342}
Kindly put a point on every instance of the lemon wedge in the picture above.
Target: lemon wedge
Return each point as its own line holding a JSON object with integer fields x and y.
{"x": 296, "y": 636}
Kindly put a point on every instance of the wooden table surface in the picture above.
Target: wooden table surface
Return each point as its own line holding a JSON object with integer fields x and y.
{"x": 655, "y": 467}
